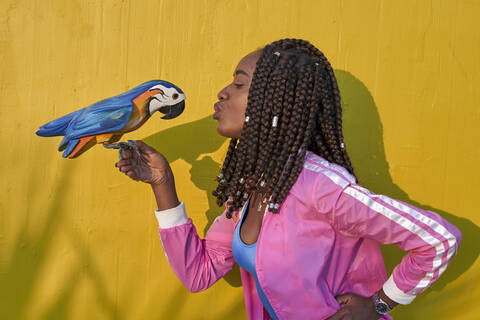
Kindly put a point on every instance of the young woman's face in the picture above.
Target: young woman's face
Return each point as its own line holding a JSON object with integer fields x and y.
{"x": 230, "y": 109}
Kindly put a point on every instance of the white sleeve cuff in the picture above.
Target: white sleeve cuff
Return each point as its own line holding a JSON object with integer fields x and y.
{"x": 394, "y": 293}
{"x": 172, "y": 217}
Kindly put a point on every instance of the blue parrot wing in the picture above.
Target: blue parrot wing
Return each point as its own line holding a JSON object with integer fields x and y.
{"x": 108, "y": 115}
{"x": 98, "y": 118}
{"x": 58, "y": 126}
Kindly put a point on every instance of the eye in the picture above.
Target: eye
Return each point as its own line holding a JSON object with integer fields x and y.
{"x": 175, "y": 96}
{"x": 238, "y": 85}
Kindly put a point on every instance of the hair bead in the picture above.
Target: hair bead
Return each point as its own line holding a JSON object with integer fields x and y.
{"x": 247, "y": 118}
{"x": 274, "y": 121}
{"x": 277, "y": 53}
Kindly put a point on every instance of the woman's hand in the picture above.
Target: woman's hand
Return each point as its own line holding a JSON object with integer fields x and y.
{"x": 149, "y": 166}
{"x": 355, "y": 307}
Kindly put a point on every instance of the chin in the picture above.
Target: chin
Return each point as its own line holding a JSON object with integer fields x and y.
{"x": 226, "y": 132}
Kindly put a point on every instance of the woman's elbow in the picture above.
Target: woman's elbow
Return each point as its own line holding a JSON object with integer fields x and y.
{"x": 452, "y": 241}
{"x": 457, "y": 236}
{"x": 196, "y": 285}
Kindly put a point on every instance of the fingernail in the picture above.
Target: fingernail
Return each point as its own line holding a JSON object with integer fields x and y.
{"x": 131, "y": 141}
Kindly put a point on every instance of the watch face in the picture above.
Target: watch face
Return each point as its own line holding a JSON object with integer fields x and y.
{"x": 382, "y": 308}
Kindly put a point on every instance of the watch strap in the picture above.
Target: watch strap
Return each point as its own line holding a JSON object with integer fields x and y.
{"x": 380, "y": 305}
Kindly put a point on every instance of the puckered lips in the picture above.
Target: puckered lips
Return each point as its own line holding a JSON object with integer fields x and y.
{"x": 217, "y": 107}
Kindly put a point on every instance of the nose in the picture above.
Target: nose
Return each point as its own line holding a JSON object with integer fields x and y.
{"x": 222, "y": 95}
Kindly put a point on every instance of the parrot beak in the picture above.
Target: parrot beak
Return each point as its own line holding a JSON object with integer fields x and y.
{"x": 173, "y": 111}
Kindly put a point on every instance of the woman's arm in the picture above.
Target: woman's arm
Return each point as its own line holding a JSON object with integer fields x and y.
{"x": 430, "y": 240}
{"x": 198, "y": 263}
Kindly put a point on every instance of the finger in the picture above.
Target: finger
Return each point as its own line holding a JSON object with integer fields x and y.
{"x": 126, "y": 154}
{"x": 132, "y": 175}
{"x": 343, "y": 299}
{"x": 122, "y": 163}
{"x": 125, "y": 169}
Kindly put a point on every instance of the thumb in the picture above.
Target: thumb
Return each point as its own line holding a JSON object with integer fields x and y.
{"x": 145, "y": 148}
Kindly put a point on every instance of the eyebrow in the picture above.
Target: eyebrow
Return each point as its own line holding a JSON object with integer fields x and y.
{"x": 241, "y": 72}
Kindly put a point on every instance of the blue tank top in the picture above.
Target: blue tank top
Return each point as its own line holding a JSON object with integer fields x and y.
{"x": 244, "y": 255}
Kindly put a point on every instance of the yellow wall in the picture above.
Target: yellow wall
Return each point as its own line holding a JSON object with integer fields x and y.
{"x": 79, "y": 240}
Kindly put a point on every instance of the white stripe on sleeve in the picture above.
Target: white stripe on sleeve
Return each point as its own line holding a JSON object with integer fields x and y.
{"x": 437, "y": 228}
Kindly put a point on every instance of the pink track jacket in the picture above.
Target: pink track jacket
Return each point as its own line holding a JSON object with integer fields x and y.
{"x": 322, "y": 243}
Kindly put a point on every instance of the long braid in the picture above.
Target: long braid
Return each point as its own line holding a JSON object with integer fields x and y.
{"x": 296, "y": 132}
{"x": 298, "y": 149}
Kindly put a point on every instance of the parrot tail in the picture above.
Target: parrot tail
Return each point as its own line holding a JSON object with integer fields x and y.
{"x": 69, "y": 147}
{"x": 56, "y": 127}
{"x": 76, "y": 147}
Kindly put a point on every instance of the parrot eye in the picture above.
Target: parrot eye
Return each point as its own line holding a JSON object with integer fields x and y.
{"x": 175, "y": 96}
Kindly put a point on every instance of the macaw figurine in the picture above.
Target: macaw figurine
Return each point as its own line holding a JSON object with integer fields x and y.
{"x": 107, "y": 120}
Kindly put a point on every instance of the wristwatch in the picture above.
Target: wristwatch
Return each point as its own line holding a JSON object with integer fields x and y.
{"x": 380, "y": 306}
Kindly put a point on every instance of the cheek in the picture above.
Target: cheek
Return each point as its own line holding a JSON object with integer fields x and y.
{"x": 232, "y": 118}
{"x": 230, "y": 125}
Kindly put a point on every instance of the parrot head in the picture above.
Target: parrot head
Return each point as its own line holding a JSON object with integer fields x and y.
{"x": 166, "y": 98}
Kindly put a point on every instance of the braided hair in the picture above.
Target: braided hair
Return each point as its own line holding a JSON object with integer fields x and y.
{"x": 293, "y": 106}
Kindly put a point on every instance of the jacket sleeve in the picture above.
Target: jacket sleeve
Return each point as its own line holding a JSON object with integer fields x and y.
{"x": 198, "y": 263}
{"x": 430, "y": 240}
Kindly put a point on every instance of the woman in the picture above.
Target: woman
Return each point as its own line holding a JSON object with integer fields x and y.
{"x": 304, "y": 233}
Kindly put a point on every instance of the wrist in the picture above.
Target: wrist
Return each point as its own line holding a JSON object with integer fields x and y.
{"x": 162, "y": 177}
{"x": 392, "y": 304}
{"x": 382, "y": 303}
{"x": 165, "y": 195}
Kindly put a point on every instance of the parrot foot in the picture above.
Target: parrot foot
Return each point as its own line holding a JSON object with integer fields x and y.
{"x": 122, "y": 146}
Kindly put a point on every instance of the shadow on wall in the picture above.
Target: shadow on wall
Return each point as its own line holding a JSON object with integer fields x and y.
{"x": 361, "y": 126}
{"x": 364, "y": 140}
{"x": 21, "y": 272}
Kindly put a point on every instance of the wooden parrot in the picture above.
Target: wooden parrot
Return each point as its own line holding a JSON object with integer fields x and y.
{"x": 107, "y": 120}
